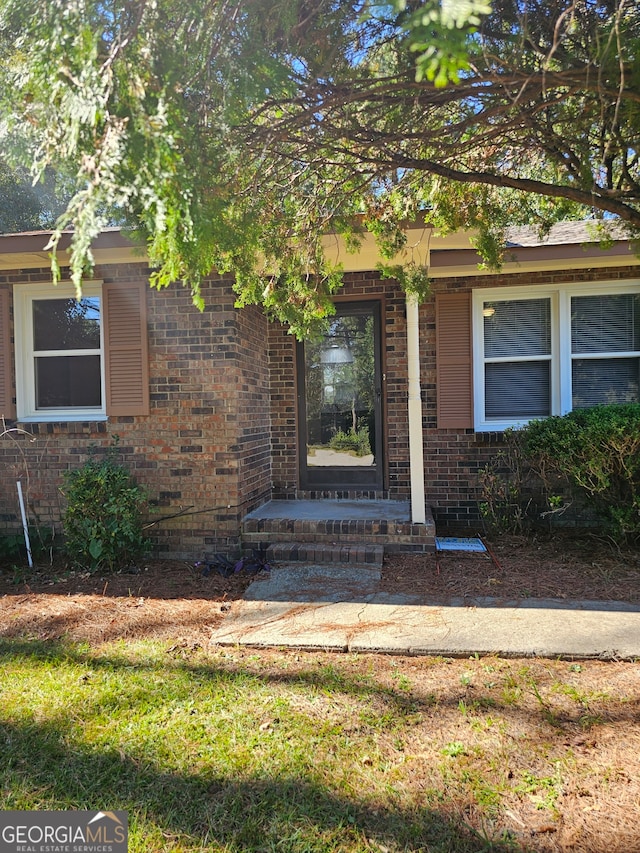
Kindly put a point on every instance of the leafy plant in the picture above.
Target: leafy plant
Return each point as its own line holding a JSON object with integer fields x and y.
{"x": 597, "y": 451}
{"x": 589, "y": 455}
{"x": 454, "y": 749}
{"x": 103, "y": 518}
{"x": 356, "y": 440}
{"x": 13, "y": 548}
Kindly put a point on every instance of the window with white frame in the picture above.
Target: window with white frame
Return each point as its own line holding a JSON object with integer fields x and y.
{"x": 59, "y": 352}
{"x": 553, "y": 349}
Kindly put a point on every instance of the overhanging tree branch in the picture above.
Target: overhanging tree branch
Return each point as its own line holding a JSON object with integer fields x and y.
{"x": 234, "y": 134}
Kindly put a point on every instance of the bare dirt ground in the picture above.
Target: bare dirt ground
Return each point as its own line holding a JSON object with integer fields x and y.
{"x": 173, "y": 600}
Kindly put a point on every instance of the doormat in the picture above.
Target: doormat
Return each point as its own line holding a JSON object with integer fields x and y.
{"x": 473, "y": 544}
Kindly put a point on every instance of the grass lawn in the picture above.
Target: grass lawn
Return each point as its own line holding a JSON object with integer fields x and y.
{"x": 237, "y": 750}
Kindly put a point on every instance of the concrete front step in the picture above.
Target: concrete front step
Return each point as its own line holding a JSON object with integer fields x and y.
{"x": 355, "y": 553}
{"x": 337, "y": 523}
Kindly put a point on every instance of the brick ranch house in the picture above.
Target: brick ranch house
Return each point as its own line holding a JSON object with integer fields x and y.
{"x": 223, "y": 415}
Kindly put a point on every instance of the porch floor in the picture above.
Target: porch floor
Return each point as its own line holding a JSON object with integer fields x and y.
{"x": 324, "y": 510}
{"x": 352, "y": 531}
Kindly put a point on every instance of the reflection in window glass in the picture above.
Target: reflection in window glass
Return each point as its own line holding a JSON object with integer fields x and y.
{"x": 66, "y": 349}
{"x": 66, "y": 324}
{"x": 605, "y": 380}
{"x": 340, "y": 393}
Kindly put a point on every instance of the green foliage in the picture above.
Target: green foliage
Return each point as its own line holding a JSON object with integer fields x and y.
{"x": 412, "y": 277}
{"x": 591, "y": 454}
{"x": 25, "y": 207}
{"x": 598, "y": 451}
{"x": 235, "y": 136}
{"x": 14, "y": 550}
{"x": 20, "y": 209}
{"x": 102, "y": 521}
{"x": 356, "y": 440}
{"x": 439, "y": 34}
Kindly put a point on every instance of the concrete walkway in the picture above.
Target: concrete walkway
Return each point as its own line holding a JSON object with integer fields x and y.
{"x": 340, "y": 609}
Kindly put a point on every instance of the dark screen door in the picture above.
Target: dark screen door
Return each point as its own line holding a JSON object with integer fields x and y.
{"x": 339, "y": 398}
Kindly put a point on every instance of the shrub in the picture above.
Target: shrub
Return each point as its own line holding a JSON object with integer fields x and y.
{"x": 103, "y": 518}
{"x": 502, "y": 504}
{"x": 598, "y": 451}
{"x": 13, "y": 548}
{"x": 356, "y": 440}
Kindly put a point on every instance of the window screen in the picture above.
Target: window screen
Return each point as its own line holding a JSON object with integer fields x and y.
{"x": 605, "y": 324}
{"x": 517, "y": 385}
{"x": 66, "y": 342}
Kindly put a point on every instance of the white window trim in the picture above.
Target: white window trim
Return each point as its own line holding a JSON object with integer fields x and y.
{"x": 24, "y": 296}
{"x": 560, "y": 294}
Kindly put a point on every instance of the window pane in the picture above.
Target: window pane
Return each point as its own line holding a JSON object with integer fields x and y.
{"x": 605, "y": 323}
{"x": 517, "y": 327}
{"x": 611, "y": 380}
{"x": 65, "y": 324}
{"x": 68, "y": 381}
{"x": 340, "y": 392}
{"x": 515, "y": 390}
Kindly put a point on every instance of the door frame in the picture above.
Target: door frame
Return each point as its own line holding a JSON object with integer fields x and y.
{"x": 345, "y": 478}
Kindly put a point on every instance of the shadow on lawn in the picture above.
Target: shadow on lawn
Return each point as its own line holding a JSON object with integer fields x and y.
{"x": 46, "y": 766}
{"x": 198, "y": 810}
{"x": 42, "y": 769}
{"x": 325, "y": 678}
{"x": 229, "y": 801}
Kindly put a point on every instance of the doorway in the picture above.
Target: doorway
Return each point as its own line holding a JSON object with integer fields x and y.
{"x": 340, "y": 402}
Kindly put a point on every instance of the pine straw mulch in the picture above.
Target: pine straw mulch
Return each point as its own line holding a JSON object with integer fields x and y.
{"x": 567, "y": 565}
{"x": 170, "y": 599}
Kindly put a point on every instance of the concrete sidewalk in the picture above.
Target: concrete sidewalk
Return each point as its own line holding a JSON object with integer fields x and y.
{"x": 339, "y": 609}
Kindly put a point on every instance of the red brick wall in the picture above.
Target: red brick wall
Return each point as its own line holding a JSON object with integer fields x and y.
{"x": 221, "y": 436}
{"x": 253, "y": 427}
{"x": 283, "y": 388}
{"x": 453, "y": 459}
{"x": 203, "y": 450}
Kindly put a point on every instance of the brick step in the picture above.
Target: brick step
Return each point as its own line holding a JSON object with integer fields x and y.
{"x": 393, "y": 538}
{"x": 355, "y": 553}
{"x": 336, "y": 524}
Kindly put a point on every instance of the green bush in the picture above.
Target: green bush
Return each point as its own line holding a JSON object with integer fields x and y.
{"x": 103, "y": 518}
{"x": 596, "y": 450}
{"x": 356, "y": 440}
{"x": 13, "y": 548}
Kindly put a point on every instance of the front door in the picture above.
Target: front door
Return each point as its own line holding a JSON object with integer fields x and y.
{"x": 340, "y": 400}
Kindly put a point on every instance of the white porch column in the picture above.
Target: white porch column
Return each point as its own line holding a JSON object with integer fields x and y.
{"x": 416, "y": 451}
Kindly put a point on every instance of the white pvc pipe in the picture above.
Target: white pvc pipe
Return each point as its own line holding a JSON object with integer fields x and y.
{"x": 416, "y": 449}
{"x": 25, "y": 526}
